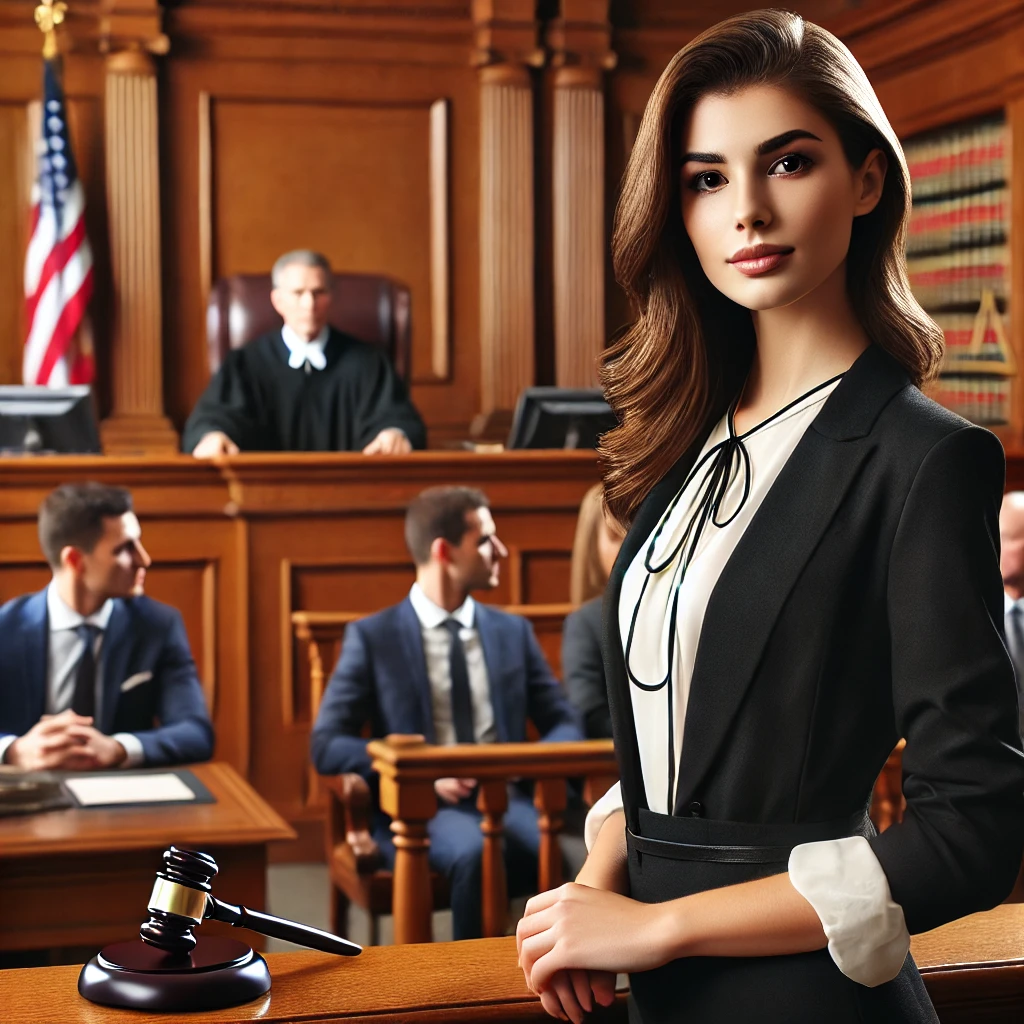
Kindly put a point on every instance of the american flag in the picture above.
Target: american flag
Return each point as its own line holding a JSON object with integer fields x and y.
{"x": 58, "y": 265}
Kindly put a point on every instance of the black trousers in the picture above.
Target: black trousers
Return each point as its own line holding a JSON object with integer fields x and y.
{"x": 805, "y": 988}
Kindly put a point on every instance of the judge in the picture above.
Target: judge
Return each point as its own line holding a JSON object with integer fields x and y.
{"x": 305, "y": 387}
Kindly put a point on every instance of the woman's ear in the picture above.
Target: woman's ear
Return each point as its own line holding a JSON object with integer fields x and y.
{"x": 869, "y": 182}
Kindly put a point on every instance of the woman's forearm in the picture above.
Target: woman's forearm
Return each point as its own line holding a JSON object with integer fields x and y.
{"x": 605, "y": 867}
{"x": 766, "y": 917}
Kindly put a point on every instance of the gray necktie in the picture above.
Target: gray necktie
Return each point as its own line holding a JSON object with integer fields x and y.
{"x": 83, "y": 701}
{"x": 462, "y": 698}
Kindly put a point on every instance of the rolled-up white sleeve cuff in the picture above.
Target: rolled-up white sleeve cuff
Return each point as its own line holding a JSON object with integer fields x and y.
{"x": 844, "y": 883}
{"x": 5, "y": 742}
{"x": 599, "y": 813}
{"x": 134, "y": 755}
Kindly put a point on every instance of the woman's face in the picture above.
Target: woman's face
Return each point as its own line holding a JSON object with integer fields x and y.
{"x": 768, "y": 196}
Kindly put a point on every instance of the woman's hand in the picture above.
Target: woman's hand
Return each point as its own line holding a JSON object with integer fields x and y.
{"x": 571, "y": 994}
{"x": 576, "y": 928}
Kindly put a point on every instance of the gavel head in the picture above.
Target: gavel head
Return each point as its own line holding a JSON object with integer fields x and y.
{"x": 179, "y": 900}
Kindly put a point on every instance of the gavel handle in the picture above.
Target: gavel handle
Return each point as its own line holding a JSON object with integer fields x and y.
{"x": 279, "y": 928}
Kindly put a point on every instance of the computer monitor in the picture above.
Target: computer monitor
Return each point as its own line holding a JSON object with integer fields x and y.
{"x": 549, "y": 417}
{"x": 47, "y": 421}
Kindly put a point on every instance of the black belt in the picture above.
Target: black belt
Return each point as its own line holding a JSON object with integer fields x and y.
{"x": 856, "y": 824}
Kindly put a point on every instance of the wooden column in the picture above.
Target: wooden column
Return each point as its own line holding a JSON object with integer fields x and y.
{"x": 550, "y": 799}
{"x": 506, "y": 36}
{"x": 492, "y": 803}
{"x": 410, "y": 804}
{"x": 579, "y": 41}
{"x": 137, "y": 424}
{"x": 506, "y": 235}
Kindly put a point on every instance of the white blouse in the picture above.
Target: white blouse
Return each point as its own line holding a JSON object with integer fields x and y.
{"x": 841, "y": 879}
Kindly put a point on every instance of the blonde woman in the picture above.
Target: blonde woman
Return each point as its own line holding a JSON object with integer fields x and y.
{"x": 597, "y": 543}
{"x": 811, "y": 572}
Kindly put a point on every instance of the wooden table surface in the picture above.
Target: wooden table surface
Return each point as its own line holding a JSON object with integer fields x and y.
{"x": 82, "y": 876}
{"x": 981, "y": 957}
{"x": 239, "y": 816}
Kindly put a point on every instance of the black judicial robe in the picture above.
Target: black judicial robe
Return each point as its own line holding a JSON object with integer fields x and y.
{"x": 263, "y": 404}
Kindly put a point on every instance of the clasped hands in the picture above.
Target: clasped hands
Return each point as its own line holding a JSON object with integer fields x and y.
{"x": 66, "y": 741}
{"x": 573, "y": 940}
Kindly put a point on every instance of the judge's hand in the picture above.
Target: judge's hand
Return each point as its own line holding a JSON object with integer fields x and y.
{"x": 451, "y": 791}
{"x": 390, "y": 441}
{"x": 216, "y": 442}
{"x": 66, "y": 740}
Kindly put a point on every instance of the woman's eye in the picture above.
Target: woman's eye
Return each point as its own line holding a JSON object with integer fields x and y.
{"x": 706, "y": 181}
{"x": 791, "y": 163}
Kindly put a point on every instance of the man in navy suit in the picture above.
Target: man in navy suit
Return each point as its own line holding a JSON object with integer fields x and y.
{"x": 92, "y": 673}
{"x": 455, "y": 671}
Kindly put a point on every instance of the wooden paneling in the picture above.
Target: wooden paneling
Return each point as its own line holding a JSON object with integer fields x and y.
{"x": 238, "y": 547}
{"x": 372, "y": 160}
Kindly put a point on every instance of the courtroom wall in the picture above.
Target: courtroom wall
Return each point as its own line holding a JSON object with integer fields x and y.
{"x": 472, "y": 149}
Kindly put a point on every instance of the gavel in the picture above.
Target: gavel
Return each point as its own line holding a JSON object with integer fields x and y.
{"x": 181, "y": 899}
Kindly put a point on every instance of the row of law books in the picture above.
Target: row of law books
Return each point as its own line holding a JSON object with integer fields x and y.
{"x": 958, "y": 329}
{"x": 961, "y": 158}
{"x": 958, "y": 277}
{"x": 978, "y": 398}
{"x": 977, "y": 219}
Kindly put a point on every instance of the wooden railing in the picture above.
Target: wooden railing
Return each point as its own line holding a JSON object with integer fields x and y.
{"x": 408, "y": 767}
{"x": 973, "y": 970}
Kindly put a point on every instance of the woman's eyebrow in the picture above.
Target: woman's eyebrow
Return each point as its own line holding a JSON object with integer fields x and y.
{"x": 763, "y": 148}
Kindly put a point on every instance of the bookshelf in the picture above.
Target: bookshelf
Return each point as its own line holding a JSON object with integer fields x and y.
{"x": 958, "y": 260}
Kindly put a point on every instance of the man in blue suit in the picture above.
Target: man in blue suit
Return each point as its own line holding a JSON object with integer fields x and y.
{"x": 455, "y": 671}
{"x": 92, "y": 673}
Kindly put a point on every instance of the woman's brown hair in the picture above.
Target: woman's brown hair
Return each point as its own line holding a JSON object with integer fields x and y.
{"x": 688, "y": 351}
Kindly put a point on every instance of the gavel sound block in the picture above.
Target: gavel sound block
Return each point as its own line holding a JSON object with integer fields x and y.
{"x": 170, "y": 969}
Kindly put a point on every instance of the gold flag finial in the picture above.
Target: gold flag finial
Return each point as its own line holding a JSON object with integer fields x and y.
{"x": 49, "y": 14}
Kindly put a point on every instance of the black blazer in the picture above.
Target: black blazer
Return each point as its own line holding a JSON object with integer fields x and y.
{"x": 583, "y": 668}
{"x": 863, "y": 603}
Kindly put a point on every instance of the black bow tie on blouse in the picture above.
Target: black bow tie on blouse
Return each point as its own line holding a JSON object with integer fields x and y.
{"x": 722, "y": 462}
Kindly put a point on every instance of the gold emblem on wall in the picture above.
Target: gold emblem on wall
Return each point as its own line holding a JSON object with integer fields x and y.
{"x": 989, "y": 351}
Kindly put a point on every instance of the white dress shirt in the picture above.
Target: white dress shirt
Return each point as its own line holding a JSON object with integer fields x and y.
{"x": 301, "y": 351}
{"x": 64, "y": 651}
{"x": 437, "y": 645}
{"x": 841, "y": 879}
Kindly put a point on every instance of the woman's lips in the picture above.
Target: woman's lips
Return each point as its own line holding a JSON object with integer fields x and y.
{"x": 760, "y": 264}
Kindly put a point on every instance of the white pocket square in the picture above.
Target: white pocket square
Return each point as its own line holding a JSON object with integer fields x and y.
{"x": 136, "y": 680}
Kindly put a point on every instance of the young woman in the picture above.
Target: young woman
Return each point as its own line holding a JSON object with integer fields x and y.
{"x": 811, "y": 573}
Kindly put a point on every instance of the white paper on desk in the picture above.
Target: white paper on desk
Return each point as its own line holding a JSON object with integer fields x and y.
{"x": 125, "y": 788}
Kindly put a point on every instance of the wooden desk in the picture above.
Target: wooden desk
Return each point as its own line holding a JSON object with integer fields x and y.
{"x": 974, "y": 970}
{"x": 240, "y": 544}
{"x": 83, "y": 877}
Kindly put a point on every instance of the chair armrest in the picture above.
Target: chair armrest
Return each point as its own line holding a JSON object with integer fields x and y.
{"x": 349, "y": 811}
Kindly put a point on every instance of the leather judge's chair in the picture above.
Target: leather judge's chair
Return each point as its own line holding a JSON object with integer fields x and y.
{"x": 370, "y": 307}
